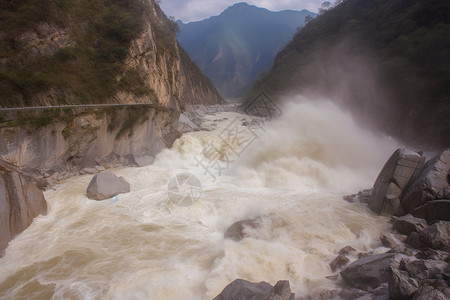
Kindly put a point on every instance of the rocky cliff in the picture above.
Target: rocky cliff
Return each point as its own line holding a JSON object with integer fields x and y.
{"x": 80, "y": 140}
{"x": 77, "y": 52}
{"x": 20, "y": 202}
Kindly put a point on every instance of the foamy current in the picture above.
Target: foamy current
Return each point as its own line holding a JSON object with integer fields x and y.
{"x": 293, "y": 175}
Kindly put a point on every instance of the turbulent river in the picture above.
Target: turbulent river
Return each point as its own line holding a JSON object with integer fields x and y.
{"x": 291, "y": 172}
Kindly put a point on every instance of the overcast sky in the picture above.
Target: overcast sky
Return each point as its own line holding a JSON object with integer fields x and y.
{"x": 195, "y": 10}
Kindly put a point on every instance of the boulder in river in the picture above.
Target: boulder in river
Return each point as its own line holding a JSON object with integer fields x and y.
{"x": 236, "y": 231}
{"x": 393, "y": 180}
{"x": 371, "y": 271}
{"x": 20, "y": 202}
{"x": 408, "y": 223}
{"x": 106, "y": 185}
{"x": 244, "y": 290}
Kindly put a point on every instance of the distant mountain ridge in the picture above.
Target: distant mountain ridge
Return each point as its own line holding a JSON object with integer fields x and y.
{"x": 234, "y": 48}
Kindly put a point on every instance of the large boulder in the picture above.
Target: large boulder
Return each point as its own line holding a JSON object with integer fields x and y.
{"x": 433, "y": 291}
{"x": 244, "y": 290}
{"x": 20, "y": 202}
{"x": 401, "y": 286}
{"x": 428, "y": 195}
{"x": 106, "y": 185}
{"x": 393, "y": 180}
{"x": 408, "y": 223}
{"x": 371, "y": 271}
{"x": 437, "y": 236}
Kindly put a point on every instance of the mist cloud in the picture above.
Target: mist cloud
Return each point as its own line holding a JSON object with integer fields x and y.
{"x": 195, "y": 10}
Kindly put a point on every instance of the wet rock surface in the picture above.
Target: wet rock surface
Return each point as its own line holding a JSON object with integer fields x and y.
{"x": 20, "y": 202}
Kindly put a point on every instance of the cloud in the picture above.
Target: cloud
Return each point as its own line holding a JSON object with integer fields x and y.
{"x": 195, "y": 10}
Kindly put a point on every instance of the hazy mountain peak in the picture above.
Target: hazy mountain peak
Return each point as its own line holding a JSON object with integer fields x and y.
{"x": 232, "y": 49}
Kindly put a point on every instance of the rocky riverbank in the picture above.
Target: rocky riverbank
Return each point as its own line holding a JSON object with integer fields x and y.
{"x": 415, "y": 264}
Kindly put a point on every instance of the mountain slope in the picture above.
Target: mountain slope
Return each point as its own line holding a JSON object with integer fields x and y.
{"x": 74, "y": 52}
{"x": 234, "y": 48}
{"x": 388, "y": 61}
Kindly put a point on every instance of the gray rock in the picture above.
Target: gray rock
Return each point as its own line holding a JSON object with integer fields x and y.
{"x": 415, "y": 241}
{"x": 380, "y": 293}
{"x": 390, "y": 240}
{"x": 408, "y": 223}
{"x": 432, "y": 292}
{"x": 339, "y": 262}
{"x": 20, "y": 202}
{"x": 437, "y": 236}
{"x": 433, "y": 254}
{"x": 401, "y": 286}
{"x": 402, "y": 250}
{"x": 371, "y": 271}
{"x": 143, "y": 160}
{"x": 434, "y": 210}
{"x": 244, "y": 290}
{"x": 347, "y": 250}
{"x": 426, "y": 268}
{"x": 431, "y": 184}
{"x": 237, "y": 232}
{"x": 393, "y": 180}
{"x": 106, "y": 185}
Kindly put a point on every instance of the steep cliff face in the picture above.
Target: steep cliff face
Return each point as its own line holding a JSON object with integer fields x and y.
{"x": 85, "y": 139}
{"x": 164, "y": 67}
{"x": 20, "y": 202}
{"x": 79, "y": 52}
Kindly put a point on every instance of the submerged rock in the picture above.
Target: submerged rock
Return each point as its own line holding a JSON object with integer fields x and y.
{"x": 106, "y": 185}
{"x": 244, "y": 290}
{"x": 20, "y": 202}
{"x": 236, "y": 231}
{"x": 339, "y": 262}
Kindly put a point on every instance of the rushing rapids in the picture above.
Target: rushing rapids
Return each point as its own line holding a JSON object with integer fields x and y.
{"x": 291, "y": 173}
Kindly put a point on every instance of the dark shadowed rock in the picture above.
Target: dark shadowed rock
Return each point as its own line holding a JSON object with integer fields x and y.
{"x": 437, "y": 236}
{"x": 369, "y": 272}
{"x": 20, "y": 202}
{"x": 433, "y": 292}
{"x": 244, "y": 290}
{"x": 426, "y": 269}
{"x": 402, "y": 250}
{"x": 390, "y": 240}
{"x": 339, "y": 262}
{"x": 401, "y": 286}
{"x": 393, "y": 180}
{"x": 434, "y": 210}
{"x": 347, "y": 250}
{"x": 433, "y": 254}
{"x": 106, "y": 185}
{"x": 431, "y": 184}
{"x": 236, "y": 231}
{"x": 415, "y": 241}
{"x": 408, "y": 223}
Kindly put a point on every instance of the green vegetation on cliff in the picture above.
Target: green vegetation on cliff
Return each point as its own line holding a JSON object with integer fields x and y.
{"x": 389, "y": 61}
{"x": 85, "y": 46}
